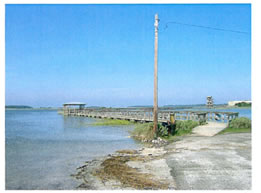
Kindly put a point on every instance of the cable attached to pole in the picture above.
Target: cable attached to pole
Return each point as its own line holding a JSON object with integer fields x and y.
{"x": 205, "y": 27}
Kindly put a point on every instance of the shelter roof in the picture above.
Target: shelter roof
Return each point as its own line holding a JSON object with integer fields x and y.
{"x": 74, "y": 103}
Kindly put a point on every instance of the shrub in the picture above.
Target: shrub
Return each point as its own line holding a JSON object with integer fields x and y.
{"x": 185, "y": 127}
{"x": 145, "y": 131}
{"x": 240, "y": 123}
{"x": 162, "y": 131}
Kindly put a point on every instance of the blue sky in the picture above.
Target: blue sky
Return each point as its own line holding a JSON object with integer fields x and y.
{"x": 104, "y": 54}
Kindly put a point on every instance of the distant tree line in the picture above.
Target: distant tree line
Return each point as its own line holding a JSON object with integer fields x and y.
{"x": 18, "y": 107}
{"x": 243, "y": 104}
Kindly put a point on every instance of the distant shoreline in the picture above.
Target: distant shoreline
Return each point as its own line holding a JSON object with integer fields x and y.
{"x": 30, "y": 109}
{"x": 185, "y": 107}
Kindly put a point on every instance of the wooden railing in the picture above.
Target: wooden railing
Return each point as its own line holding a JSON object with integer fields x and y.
{"x": 146, "y": 115}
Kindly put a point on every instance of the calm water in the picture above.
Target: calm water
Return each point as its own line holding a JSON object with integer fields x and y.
{"x": 43, "y": 148}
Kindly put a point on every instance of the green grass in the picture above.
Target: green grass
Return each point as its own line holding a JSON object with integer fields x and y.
{"x": 111, "y": 122}
{"x": 235, "y": 130}
{"x": 238, "y": 125}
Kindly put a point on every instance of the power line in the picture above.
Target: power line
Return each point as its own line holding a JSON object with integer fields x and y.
{"x": 205, "y": 27}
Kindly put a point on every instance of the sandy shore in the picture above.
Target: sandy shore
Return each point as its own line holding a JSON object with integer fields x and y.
{"x": 127, "y": 169}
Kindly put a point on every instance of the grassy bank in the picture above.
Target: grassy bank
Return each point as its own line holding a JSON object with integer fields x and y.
{"x": 112, "y": 122}
{"x": 235, "y": 130}
{"x": 144, "y": 132}
{"x": 238, "y": 125}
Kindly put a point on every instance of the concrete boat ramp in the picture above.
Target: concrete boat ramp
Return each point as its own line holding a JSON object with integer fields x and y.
{"x": 221, "y": 162}
{"x": 210, "y": 129}
{"x": 207, "y": 161}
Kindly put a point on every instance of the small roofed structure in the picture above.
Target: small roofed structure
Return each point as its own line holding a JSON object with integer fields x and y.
{"x": 74, "y": 104}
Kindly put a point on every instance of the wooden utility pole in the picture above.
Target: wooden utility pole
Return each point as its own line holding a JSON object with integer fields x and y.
{"x": 155, "y": 111}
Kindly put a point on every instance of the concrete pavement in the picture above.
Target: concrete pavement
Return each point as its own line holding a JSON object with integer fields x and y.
{"x": 210, "y": 129}
{"x": 221, "y": 162}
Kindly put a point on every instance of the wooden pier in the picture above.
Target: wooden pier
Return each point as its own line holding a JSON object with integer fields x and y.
{"x": 146, "y": 115}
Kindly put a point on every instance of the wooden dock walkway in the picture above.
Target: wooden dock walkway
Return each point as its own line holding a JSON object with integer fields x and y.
{"x": 146, "y": 115}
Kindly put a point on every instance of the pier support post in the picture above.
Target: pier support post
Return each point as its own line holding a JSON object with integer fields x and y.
{"x": 172, "y": 123}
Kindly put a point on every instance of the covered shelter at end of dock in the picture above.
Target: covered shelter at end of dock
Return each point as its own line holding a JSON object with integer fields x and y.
{"x": 68, "y": 105}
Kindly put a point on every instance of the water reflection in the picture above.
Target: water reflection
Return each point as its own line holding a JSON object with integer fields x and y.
{"x": 70, "y": 122}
